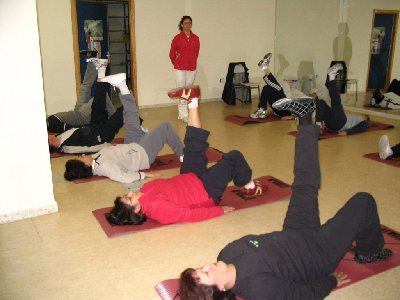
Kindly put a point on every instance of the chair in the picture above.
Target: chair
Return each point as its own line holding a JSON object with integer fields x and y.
{"x": 237, "y": 85}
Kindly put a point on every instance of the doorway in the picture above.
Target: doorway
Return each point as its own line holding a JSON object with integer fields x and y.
{"x": 118, "y": 19}
{"x": 383, "y": 38}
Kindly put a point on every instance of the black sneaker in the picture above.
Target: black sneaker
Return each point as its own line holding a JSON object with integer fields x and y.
{"x": 365, "y": 259}
{"x": 298, "y": 107}
{"x": 264, "y": 63}
{"x": 378, "y": 96}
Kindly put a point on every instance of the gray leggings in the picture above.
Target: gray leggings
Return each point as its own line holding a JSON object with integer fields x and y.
{"x": 152, "y": 141}
{"x": 83, "y": 107}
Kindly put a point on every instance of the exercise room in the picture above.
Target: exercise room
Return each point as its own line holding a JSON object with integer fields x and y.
{"x": 264, "y": 79}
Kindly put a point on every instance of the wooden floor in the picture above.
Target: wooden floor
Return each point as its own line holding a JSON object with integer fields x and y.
{"x": 66, "y": 255}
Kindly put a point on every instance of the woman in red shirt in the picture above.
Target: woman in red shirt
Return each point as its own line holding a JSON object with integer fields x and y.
{"x": 193, "y": 195}
{"x": 184, "y": 52}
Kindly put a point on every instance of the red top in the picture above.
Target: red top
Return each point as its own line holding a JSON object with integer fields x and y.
{"x": 185, "y": 51}
{"x": 179, "y": 199}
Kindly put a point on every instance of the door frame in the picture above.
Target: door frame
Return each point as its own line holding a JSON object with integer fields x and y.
{"x": 75, "y": 45}
{"x": 392, "y": 48}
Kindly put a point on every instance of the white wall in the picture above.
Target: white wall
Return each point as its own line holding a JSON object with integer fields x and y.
{"x": 25, "y": 172}
{"x": 229, "y": 30}
{"x": 306, "y": 31}
{"x": 55, "y": 29}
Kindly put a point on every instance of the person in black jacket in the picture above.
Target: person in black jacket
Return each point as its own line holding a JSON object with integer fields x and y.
{"x": 298, "y": 262}
{"x": 334, "y": 117}
{"x": 102, "y": 129}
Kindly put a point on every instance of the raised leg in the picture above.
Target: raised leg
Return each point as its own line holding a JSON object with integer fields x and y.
{"x": 154, "y": 140}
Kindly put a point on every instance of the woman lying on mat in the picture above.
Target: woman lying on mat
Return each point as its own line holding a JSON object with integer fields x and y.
{"x": 387, "y": 152}
{"x": 298, "y": 262}
{"x": 81, "y": 115}
{"x": 123, "y": 162}
{"x": 334, "y": 118}
{"x": 193, "y": 195}
{"x": 270, "y": 93}
{"x": 390, "y": 99}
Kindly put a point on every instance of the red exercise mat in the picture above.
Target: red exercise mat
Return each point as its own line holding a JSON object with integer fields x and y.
{"x": 374, "y": 126}
{"x": 277, "y": 190}
{"x": 395, "y": 162}
{"x": 239, "y": 120}
{"x": 163, "y": 162}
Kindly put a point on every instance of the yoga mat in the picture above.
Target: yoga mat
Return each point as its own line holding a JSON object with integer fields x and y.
{"x": 277, "y": 190}
{"x": 377, "y": 107}
{"x": 239, "y": 120}
{"x": 375, "y": 156}
{"x": 163, "y": 162}
{"x": 374, "y": 126}
{"x": 358, "y": 272}
{"x": 57, "y": 154}
{"x": 167, "y": 289}
{"x": 171, "y": 161}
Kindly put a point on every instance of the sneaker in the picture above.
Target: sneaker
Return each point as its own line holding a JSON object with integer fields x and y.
{"x": 298, "y": 107}
{"x": 114, "y": 80}
{"x": 187, "y": 93}
{"x": 88, "y": 53}
{"x": 384, "y": 147}
{"x": 333, "y": 71}
{"x": 98, "y": 62}
{"x": 259, "y": 114}
{"x": 378, "y": 96}
{"x": 101, "y": 66}
{"x": 258, "y": 190}
{"x": 264, "y": 63}
{"x": 365, "y": 259}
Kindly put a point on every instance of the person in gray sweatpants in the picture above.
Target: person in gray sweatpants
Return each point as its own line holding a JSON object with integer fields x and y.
{"x": 123, "y": 162}
{"x": 81, "y": 115}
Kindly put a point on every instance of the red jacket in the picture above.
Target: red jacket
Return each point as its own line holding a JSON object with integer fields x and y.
{"x": 185, "y": 51}
{"x": 179, "y": 199}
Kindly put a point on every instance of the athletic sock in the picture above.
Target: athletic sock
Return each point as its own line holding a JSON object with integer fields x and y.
{"x": 193, "y": 103}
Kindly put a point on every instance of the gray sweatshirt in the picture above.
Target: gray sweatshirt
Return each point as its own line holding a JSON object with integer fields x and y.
{"x": 121, "y": 162}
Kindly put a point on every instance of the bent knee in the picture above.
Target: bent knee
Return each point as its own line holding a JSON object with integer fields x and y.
{"x": 234, "y": 154}
{"x": 364, "y": 198}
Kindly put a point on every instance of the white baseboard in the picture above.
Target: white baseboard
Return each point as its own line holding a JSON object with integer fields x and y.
{"x": 20, "y": 215}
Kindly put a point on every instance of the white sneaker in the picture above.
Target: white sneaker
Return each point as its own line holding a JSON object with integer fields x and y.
{"x": 333, "y": 70}
{"x": 384, "y": 148}
{"x": 100, "y": 64}
{"x": 264, "y": 63}
{"x": 259, "y": 114}
{"x": 114, "y": 80}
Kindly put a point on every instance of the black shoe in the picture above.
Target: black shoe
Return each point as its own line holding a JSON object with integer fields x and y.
{"x": 298, "y": 107}
{"x": 381, "y": 255}
{"x": 88, "y": 53}
{"x": 378, "y": 96}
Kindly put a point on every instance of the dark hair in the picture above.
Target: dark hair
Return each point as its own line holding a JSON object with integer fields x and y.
{"x": 191, "y": 289}
{"x": 53, "y": 149}
{"x": 123, "y": 214}
{"x": 55, "y": 125}
{"x": 180, "y": 25}
{"x": 75, "y": 169}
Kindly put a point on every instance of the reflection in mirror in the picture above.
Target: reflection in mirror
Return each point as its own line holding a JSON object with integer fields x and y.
{"x": 311, "y": 34}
